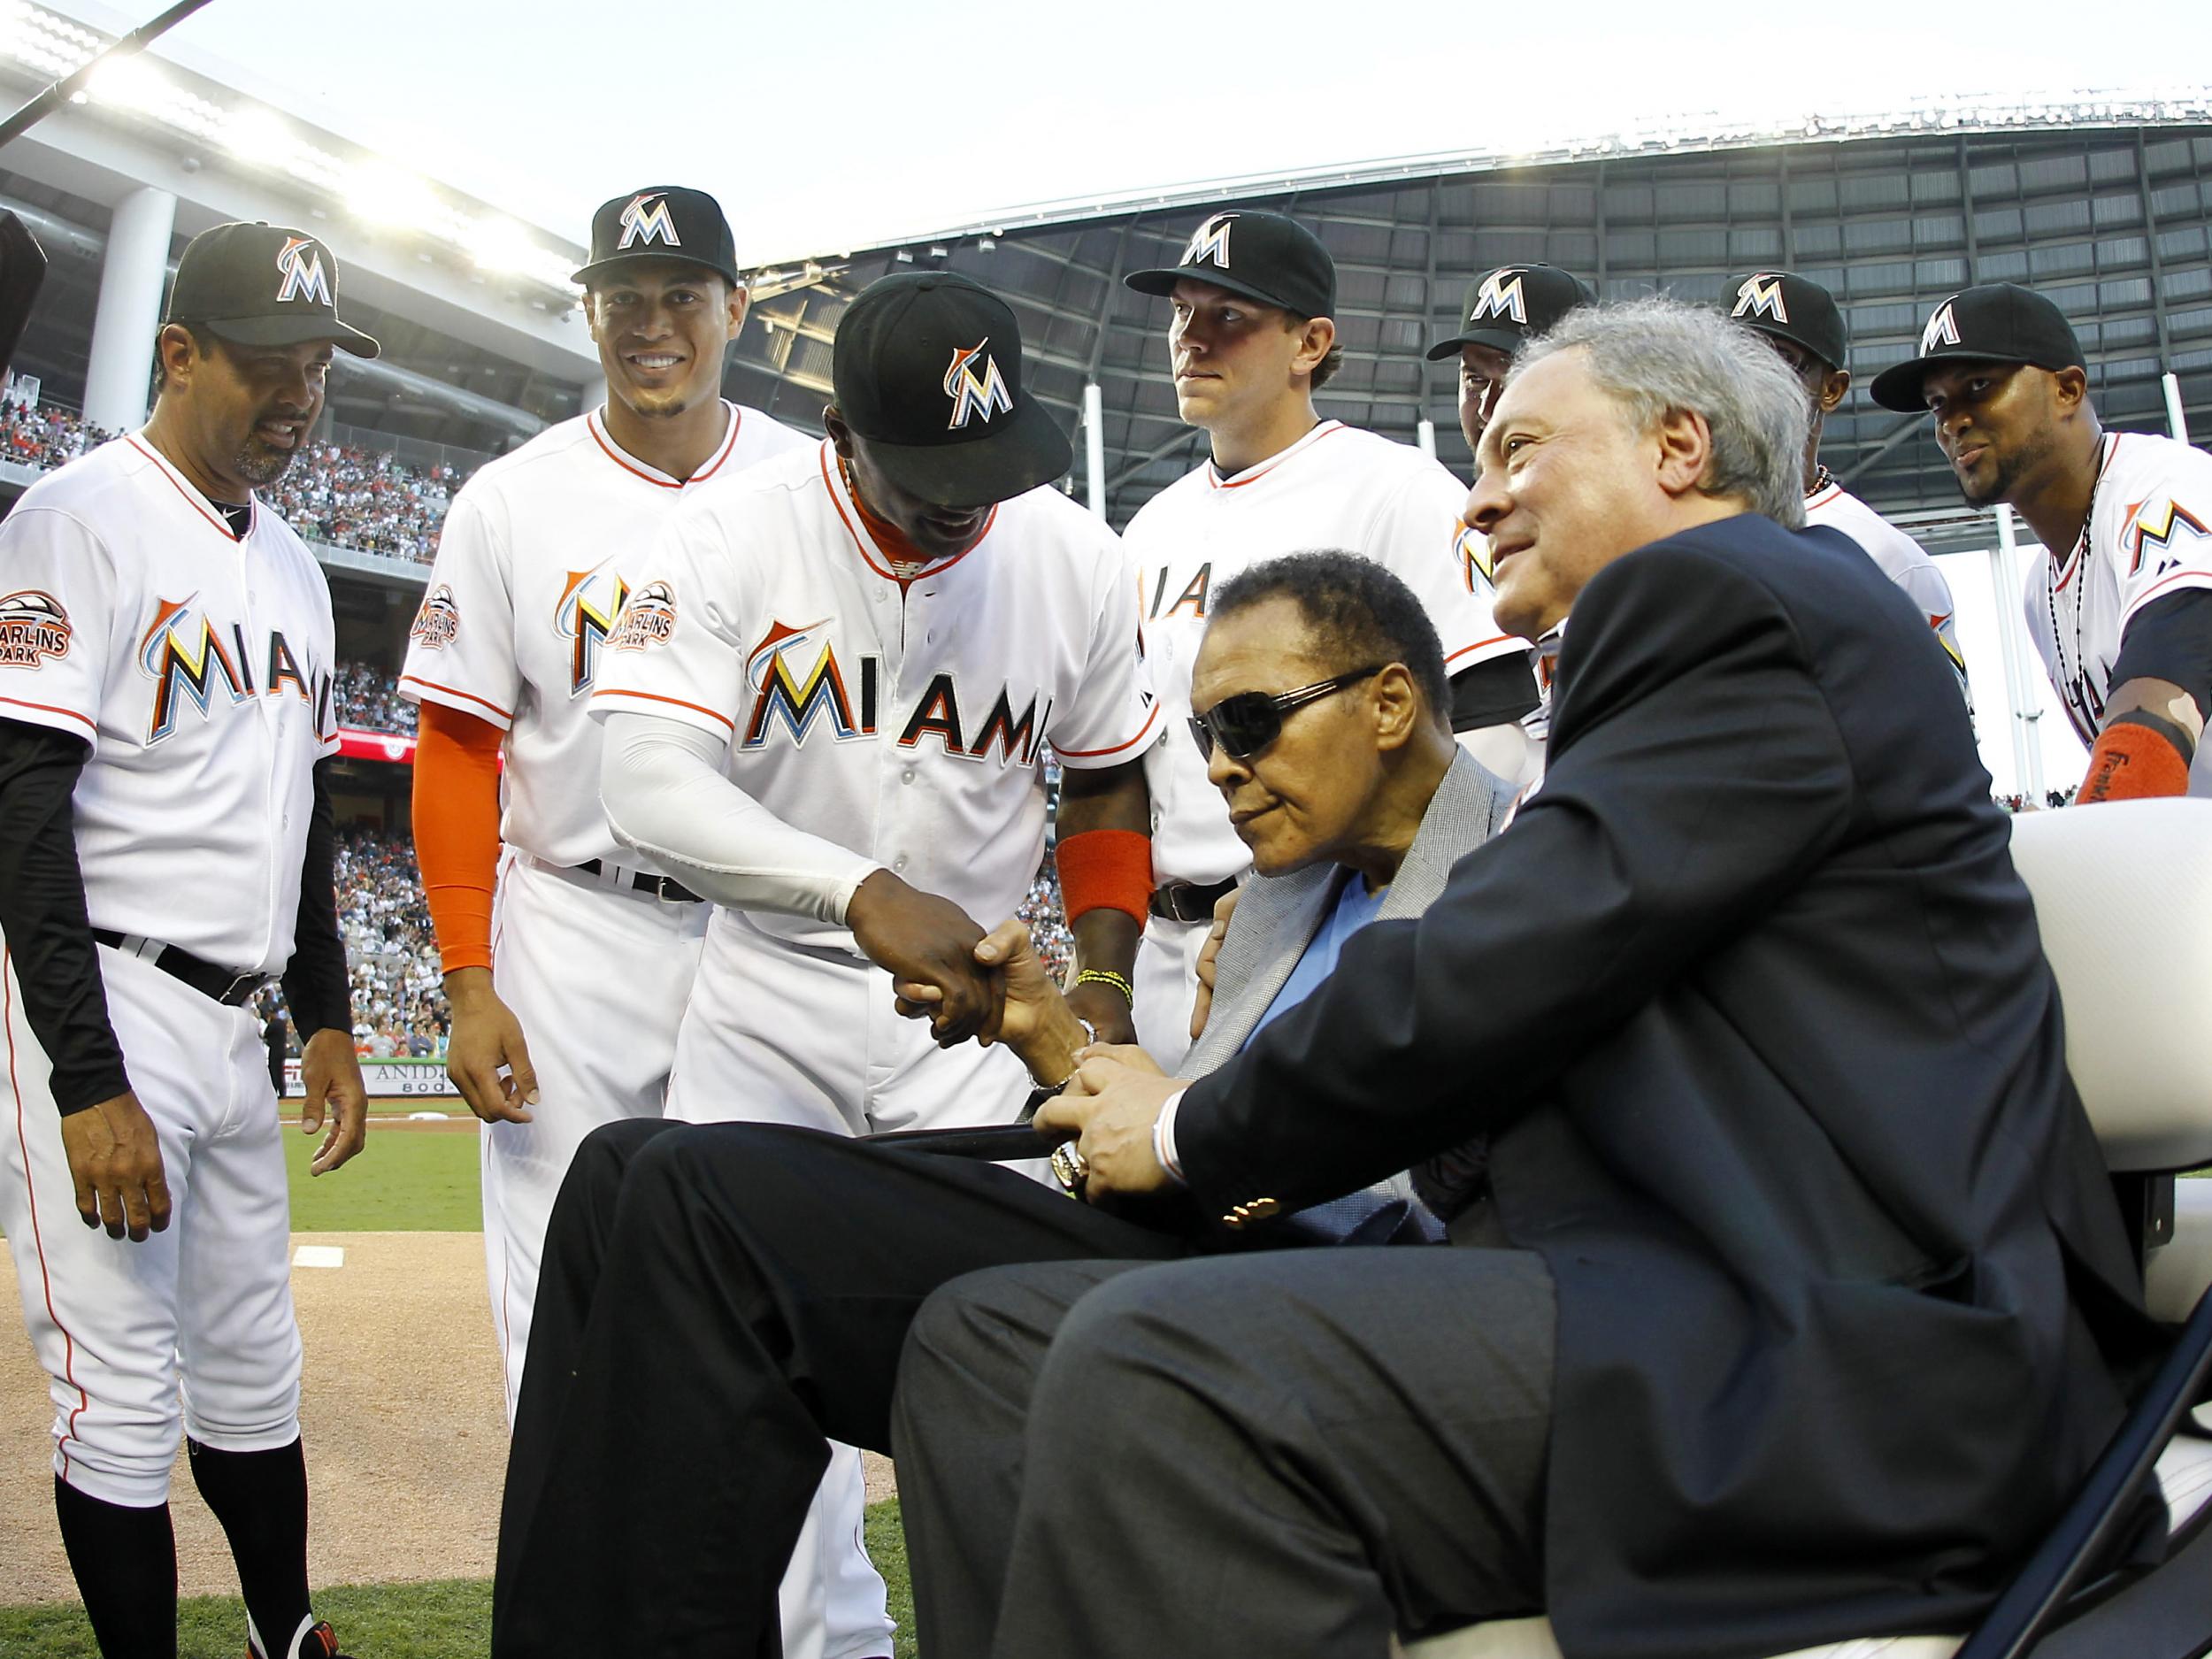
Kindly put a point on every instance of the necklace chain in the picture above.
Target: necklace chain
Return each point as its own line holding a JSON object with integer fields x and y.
{"x": 2074, "y": 678}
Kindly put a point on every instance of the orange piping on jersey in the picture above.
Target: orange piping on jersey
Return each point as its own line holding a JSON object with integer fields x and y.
{"x": 2178, "y": 576}
{"x": 53, "y": 708}
{"x": 1150, "y": 720}
{"x": 1480, "y": 645}
{"x": 161, "y": 465}
{"x": 1831, "y": 493}
{"x": 661, "y": 480}
{"x": 38, "y": 1236}
{"x": 869, "y": 547}
{"x": 2072, "y": 563}
{"x": 456, "y": 831}
{"x": 455, "y": 691}
{"x": 1326, "y": 429}
{"x": 654, "y": 697}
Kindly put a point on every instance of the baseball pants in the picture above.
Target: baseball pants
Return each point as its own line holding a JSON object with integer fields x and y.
{"x": 191, "y": 1331}
{"x": 718, "y": 1299}
{"x": 598, "y": 975}
{"x": 807, "y": 1037}
{"x": 1166, "y": 982}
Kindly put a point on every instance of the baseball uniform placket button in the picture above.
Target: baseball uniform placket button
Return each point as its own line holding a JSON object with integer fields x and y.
{"x": 907, "y": 776}
{"x": 899, "y": 863}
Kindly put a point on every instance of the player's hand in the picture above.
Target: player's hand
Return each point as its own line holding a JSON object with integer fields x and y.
{"x": 1108, "y": 1110}
{"x": 1107, "y": 1009}
{"x": 331, "y": 1075}
{"x": 926, "y": 941}
{"x": 115, "y": 1161}
{"x": 1210, "y": 953}
{"x": 487, "y": 1039}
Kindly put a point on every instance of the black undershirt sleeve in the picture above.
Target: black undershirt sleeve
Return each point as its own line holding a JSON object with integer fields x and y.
{"x": 1493, "y": 693}
{"x": 315, "y": 987}
{"x": 2171, "y": 639}
{"x": 43, "y": 913}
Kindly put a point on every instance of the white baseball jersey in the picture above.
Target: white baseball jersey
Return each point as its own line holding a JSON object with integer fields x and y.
{"x": 2149, "y": 533}
{"x": 539, "y": 552}
{"x": 198, "y": 665}
{"x": 1901, "y": 558}
{"x": 1336, "y": 486}
{"x": 902, "y": 714}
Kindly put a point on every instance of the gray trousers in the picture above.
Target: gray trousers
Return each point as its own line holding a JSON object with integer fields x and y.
{"x": 1272, "y": 1455}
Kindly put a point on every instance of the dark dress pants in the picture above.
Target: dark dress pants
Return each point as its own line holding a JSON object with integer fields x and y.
{"x": 715, "y": 1301}
{"x": 1292, "y": 1452}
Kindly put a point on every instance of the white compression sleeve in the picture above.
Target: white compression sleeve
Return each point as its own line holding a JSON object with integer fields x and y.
{"x": 665, "y": 794}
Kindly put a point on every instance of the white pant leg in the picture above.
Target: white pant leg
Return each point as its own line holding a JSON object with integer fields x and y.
{"x": 598, "y": 980}
{"x": 238, "y": 1341}
{"x": 1166, "y": 981}
{"x": 104, "y": 1313}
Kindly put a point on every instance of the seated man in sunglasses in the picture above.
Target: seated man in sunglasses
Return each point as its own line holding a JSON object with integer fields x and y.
{"x": 756, "y": 1283}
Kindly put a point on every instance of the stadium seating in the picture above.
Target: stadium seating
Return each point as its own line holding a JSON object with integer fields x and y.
{"x": 2123, "y": 896}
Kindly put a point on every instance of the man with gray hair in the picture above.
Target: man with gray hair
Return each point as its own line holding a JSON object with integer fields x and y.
{"x": 1734, "y": 1066}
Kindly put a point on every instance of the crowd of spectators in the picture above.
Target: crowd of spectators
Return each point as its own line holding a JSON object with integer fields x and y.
{"x": 2052, "y": 799}
{"x": 366, "y": 499}
{"x": 369, "y": 699}
{"x": 350, "y": 497}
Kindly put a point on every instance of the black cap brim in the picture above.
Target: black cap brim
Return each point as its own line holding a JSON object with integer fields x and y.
{"x": 586, "y": 275}
{"x": 1898, "y": 388}
{"x": 1506, "y": 340}
{"x": 1011, "y": 461}
{"x": 292, "y": 331}
{"x": 1162, "y": 280}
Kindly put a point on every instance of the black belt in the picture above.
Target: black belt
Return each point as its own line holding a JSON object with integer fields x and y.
{"x": 218, "y": 985}
{"x": 666, "y": 887}
{"x": 1182, "y": 903}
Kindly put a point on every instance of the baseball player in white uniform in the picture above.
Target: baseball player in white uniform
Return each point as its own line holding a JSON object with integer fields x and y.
{"x": 828, "y": 705}
{"x": 1250, "y": 341}
{"x": 1801, "y": 321}
{"x": 572, "y": 973}
{"x": 2120, "y": 601}
{"x": 166, "y": 846}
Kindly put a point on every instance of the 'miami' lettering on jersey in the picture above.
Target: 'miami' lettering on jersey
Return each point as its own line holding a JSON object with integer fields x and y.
{"x": 590, "y": 601}
{"x": 1194, "y": 593}
{"x": 778, "y": 696}
{"x": 937, "y": 713}
{"x": 185, "y": 657}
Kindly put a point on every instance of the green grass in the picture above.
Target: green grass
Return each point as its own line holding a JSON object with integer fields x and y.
{"x": 405, "y": 1181}
{"x": 450, "y": 1619}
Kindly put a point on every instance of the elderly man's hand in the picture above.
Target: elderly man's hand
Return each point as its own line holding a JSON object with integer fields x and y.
{"x": 1108, "y": 1109}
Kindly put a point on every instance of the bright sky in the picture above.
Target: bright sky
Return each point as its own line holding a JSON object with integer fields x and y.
{"x": 821, "y": 127}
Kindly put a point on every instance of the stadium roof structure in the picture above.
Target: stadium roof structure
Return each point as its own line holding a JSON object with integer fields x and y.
{"x": 2100, "y": 200}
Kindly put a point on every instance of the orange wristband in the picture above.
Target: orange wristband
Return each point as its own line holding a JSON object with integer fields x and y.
{"x": 2133, "y": 759}
{"x": 1108, "y": 870}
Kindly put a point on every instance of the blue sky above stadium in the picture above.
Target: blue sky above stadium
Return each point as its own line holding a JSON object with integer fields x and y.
{"x": 824, "y": 127}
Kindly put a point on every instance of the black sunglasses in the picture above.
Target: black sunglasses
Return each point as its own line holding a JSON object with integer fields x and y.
{"x": 1248, "y": 722}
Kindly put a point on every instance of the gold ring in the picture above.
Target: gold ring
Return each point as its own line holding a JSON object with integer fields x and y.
{"x": 1069, "y": 1166}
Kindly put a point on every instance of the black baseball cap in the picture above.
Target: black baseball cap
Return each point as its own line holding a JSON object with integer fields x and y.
{"x": 1793, "y": 308}
{"x": 262, "y": 285}
{"x": 927, "y": 368}
{"x": 1511, "y": 307}
{"x": 665, "y": 221}
{"x": 1999, "y": 322}
{"x": 1264, "y": 257}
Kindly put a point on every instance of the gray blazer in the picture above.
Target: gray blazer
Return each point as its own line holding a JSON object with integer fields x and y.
{"x": 1277, "y": 917}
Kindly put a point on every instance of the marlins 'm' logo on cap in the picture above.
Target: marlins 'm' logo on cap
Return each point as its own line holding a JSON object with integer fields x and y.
{"x": 1501, "y": 295}
{"x": 302, "y": 262}
{"x": 1942, "y": 329}
{"x": 646, "y": 220}
{"x": 1208, "y": 244}
{"x": 33, "y": 627}
{"x": 1761, "y": 296}
{"x": 983, "y": 394}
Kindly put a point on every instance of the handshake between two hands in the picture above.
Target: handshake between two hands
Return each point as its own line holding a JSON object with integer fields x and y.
{"x": 995, "y": 989}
